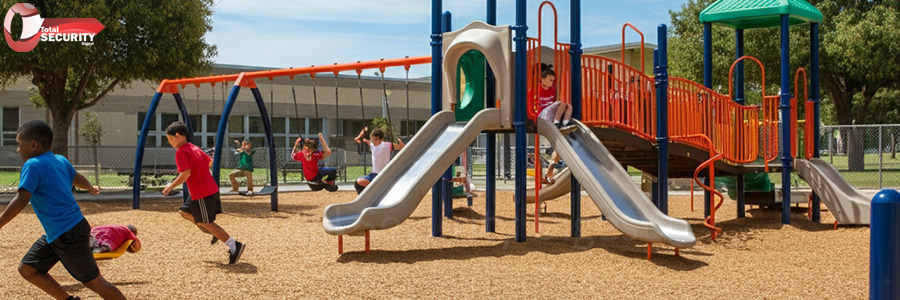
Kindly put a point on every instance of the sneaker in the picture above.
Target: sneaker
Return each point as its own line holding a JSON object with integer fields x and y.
{"x": 331, "y": 187}
{"x": 249, "y": 193}
{"x": 214, "y": 240}
{"x": 232, "y": 192}
{"x": 568, "y": 129}
{"x": 233, "y": 257}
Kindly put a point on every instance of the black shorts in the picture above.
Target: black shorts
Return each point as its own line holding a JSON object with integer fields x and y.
{"x": 204, "y": 210}
{"x": 72, "y": 248}
{"x": 186, "y": 205}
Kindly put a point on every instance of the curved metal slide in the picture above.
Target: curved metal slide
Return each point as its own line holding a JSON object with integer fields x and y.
{"x": 397, "y": 190}
{"x": 561, "y": 186}
{"x": 846, "y": 203}
{"x": 621, "y": 201}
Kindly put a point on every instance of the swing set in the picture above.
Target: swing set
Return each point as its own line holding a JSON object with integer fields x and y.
{"x": 248, "y": 80}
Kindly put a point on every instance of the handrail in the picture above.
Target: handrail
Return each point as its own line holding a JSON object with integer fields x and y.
{"x": 794, "y": 126}
{"x": 710, "y": 221}
{"x": 643, "y": 65}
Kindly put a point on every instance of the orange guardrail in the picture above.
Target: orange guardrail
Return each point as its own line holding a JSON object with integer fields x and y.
{"x": 619, "y": 96}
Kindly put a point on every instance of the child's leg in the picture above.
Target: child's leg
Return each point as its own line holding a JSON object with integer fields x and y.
{"x": 215, "y": 230}
{"x": 328, "y": 174}
{"x": 233, "y": 176}
{"x": 42, "y": 280}
{"x": 568, "y": 113}
{"x": 103, "y": 288}
{"x": 249, "y": 175}
{"x": 203, "y": 212}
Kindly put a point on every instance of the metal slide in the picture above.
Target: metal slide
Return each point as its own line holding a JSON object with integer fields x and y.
{"x": 397, "y": 190}
{"x": 621, "y": 201}
{"x": 562, "y": 186}
{"x": 846, "y": 203}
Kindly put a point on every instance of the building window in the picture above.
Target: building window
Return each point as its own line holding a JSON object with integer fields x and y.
{"x": 10, "y": 121}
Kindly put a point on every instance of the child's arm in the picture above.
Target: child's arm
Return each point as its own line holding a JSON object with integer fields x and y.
{"x": 82, "y": 183}
{"x": 296, "y": 144}
{"x": 178, "y": 180}
{"x": 399, "y": 145}
{"x": 359, "y": 138}
{"x": 135, "y": 245}
{"x": 15, "y": 206}
{"x": 239, "y": 148}
{"x": 327, "y": 151}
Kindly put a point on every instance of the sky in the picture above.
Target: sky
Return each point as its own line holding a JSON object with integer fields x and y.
{"x": 286, "y": 33}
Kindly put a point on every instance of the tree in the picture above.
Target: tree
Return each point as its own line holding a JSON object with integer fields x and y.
{"x": 142, "y": 41}
{"x": 93, "y": 134}
{"x": 858, "y": 46}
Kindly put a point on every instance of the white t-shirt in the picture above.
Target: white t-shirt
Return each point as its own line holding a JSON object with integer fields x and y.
{"x": 381, "y": 155}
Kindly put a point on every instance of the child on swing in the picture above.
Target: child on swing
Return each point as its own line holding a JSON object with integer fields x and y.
{"x": 310, "y": 158}
{"x": 381, "y": 155}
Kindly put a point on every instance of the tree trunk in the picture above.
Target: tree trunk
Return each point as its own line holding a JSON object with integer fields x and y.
{"x": 856, "y": 150}
{"x": 62, "y": 119}
{"x": 893, "y": 145}
{"x": 96, "y": 166}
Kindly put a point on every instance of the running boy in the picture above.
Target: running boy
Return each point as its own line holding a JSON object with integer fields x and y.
{"x": 46, "y": 182}
{"x": 381, "y": 155}
{"x": 245, "y": 167}
{"x": 193, "y": 167}
{"x": 310, "y": 158}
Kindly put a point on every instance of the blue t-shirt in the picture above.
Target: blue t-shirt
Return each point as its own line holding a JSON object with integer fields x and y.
{"x": 49, "y": 178}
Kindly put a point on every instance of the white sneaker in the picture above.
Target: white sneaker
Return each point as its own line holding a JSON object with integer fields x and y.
{"x": 249, "y": 193}
{"x": 231, "y": 193}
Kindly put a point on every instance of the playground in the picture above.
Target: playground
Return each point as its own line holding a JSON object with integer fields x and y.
{"x": 289, "y": 256}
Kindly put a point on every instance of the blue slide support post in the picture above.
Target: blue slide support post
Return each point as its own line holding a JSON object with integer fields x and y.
{"x": 490, "y": 186}
{"x": 739, "y": 98}
{"x": 814, "y": 97}
{"x": 662, "y": 119}
{"x": 436, "y": 61}
{"x": 519, "y": 117}
{"x": 270, "y": 142}
{"x": 446, "y": 186}
{"x": 707, "y": 82}
{"x": 786, "y": 158}
{"x": 884, "y": 246}
{"x": 139, "y": 153}
{"x": 575, "y": 52}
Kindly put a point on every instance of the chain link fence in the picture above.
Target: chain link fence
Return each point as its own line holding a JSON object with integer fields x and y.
{"x": 866, "y": 155}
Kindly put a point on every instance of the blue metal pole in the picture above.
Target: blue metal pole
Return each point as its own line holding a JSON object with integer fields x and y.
{"x": 190, "y": 136}
{"x": 490, "y": 186}
{"x": 707, "y": 81}
{"x": 446, "y": 187}
{"x": 884, "y": 246}
{"x": 436, "y": 44}
{"x": 739, "y": 98}
{"x": 220, "y": 133}
{"x": 270, "y": 142}
{"x": 575, "y": 52}
{"x": 519, "y": 117}
{"x": 139, "y": 153}
{"x": 786, "y": 158}
{"x": 814, "y": 97}
{"x": 662, "y": 116}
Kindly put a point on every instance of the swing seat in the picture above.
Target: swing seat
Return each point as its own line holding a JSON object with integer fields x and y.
{"x": 113, "y": 254}
{"x": 266, "y": 190}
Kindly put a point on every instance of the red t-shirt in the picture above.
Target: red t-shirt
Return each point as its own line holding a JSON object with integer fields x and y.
{"x": 201, "y": 183}
{"x": 310, "y": 166}
{"x": 112, "y": 235}
{"x": 545, "y": 97}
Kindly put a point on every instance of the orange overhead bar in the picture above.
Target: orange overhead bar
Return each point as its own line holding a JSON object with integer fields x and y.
{"x": 246, "y": 77}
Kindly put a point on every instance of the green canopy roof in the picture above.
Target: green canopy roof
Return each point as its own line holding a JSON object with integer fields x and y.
{"x": 745, "y": 14}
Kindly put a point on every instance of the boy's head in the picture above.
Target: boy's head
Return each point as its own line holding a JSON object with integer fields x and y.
{"x": 548, "y": 76}
{"x": 377, "y": 135}
{"x": 246, "y": 144}
{"x": 176, "y": 133}
{"x": 309, "y": 145}
{"x": 132, "y": 228}
{"x": 34, "y": 138}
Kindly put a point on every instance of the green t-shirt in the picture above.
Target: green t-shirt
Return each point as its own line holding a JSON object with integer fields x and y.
{"x": 246, "y": 162}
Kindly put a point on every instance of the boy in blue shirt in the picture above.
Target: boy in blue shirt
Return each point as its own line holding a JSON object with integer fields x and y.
{"x": 46, "y": 182}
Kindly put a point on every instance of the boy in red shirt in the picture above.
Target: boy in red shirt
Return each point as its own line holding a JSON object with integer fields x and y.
{"x": 310, "y": 158}
{"x": 193, "y": 167}
{"x": 107, "y": 238}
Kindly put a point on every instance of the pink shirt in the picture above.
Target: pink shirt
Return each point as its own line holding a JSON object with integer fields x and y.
{"x": 112, "y": 235}
{"x": 546, "y": 97}
{"x": 201, "y": 183}
{"x": 311, "y": 165}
